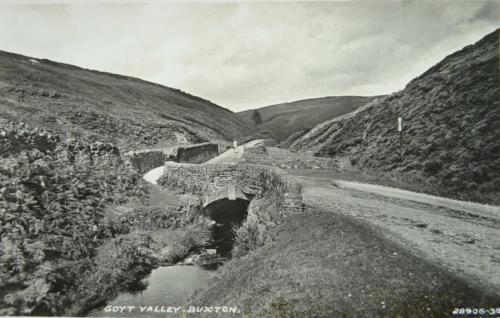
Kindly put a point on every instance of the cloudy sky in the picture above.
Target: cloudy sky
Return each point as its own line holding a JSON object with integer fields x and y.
{"x": 244, "y": 55}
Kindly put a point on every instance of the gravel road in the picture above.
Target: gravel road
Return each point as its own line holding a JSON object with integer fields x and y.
{"x": 467, "y": 244}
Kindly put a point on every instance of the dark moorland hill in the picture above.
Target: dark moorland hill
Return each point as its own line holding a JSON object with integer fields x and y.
{"x": 451, "y": 123}
{"x": 97, "y": 106}
{"x": 287, "y": 119}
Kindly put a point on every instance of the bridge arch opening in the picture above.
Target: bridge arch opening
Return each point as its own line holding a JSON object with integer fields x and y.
{"x": 228, "y": 215}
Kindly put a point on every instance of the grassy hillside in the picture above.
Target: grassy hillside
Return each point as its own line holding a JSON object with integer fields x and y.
{"x": 284, "y": 120}
{"x": 106, "y": 107}
{"x": 451, "y": 123}
{"x": 329, "y": 265}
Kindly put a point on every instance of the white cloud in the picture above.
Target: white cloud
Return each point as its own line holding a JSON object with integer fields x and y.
{"x": 246, "y": 55}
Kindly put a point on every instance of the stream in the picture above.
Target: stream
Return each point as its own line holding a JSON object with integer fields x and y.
{"x": 166, "y": 286}
{"x": 172, "y": 286}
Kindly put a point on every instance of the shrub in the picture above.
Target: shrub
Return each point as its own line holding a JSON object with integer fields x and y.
{"x": 250, "y": 235}
{"x": 173, "y": 245}
{"x": 51, "y": 215}
{"x": 432, "y": 166}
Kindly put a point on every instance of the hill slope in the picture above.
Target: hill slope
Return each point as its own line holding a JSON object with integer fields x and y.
{"x": 451, "y": 122}
{"x": 287, "y": 119}
{"x": 100, "y": 106}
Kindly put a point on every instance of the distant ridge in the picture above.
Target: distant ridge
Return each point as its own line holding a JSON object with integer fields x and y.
{"x": 287, "y": 119}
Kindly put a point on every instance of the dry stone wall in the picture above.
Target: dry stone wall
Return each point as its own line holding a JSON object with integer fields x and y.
{"x": 145, "y": 160}
{"x": 197, "y": 153}
{"x": 286, "y": 159}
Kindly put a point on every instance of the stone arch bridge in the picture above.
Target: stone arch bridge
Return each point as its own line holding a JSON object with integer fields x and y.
{"x": 230, "y": 191}
{"x": 241, "y": 181}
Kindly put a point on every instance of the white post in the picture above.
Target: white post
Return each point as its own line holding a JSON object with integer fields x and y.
{"x": 400, "y": 129}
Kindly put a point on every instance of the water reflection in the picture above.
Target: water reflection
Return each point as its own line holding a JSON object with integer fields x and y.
{"x": 166, "y": 286}
{"x": 173, "y": 285}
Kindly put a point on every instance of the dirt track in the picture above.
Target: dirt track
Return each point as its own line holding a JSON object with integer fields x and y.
{"x": 466, "y": 244}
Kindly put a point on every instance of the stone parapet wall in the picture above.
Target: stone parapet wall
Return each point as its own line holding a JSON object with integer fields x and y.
{"x": 252, "y": 180}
